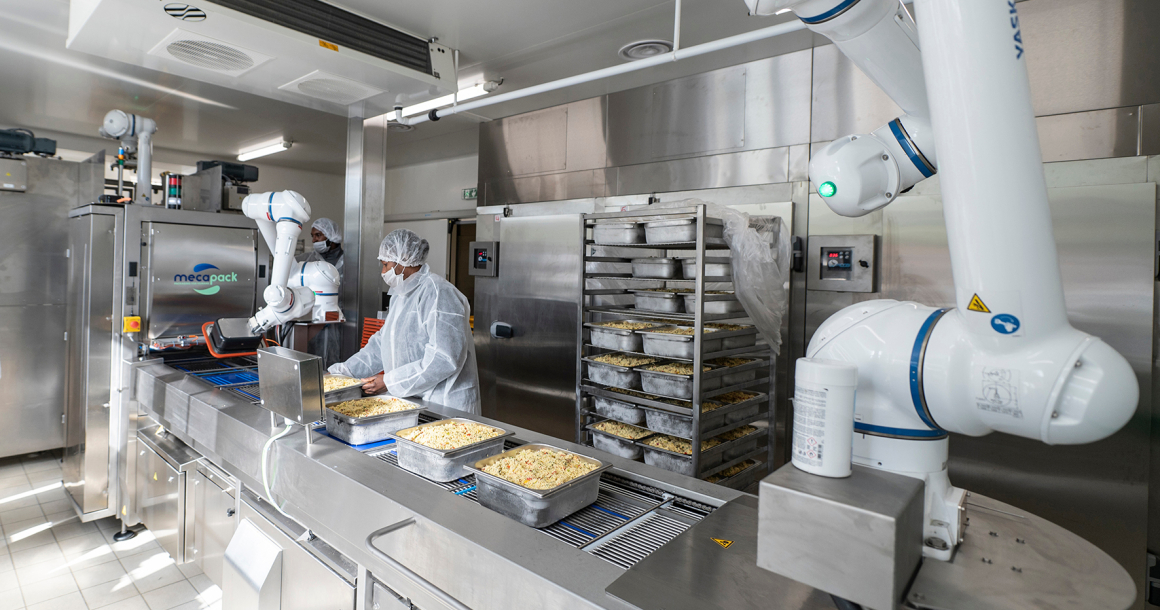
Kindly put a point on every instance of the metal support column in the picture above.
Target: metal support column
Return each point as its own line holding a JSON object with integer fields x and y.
{"x": 366, "y": 145}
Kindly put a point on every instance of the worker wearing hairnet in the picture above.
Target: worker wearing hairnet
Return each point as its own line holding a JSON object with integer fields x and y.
{"x": 326, "y": 246}
{"x": 425, "y": 347}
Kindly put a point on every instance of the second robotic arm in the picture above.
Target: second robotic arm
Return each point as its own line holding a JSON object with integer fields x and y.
{"x": 280, "y": 216}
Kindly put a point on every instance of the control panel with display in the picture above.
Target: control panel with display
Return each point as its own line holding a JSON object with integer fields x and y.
{"x": 843, "y": 263}
{"x": 484, "y": 255}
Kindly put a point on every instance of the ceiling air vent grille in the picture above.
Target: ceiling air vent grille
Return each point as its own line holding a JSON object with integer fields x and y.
{"x": 205, "y": 52}
{"x": 332, "y": 24}
{"x": 331, "y": 87}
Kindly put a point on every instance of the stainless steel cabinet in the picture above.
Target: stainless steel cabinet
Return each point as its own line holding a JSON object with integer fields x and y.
{"x": 213, "y": 505}
{"x": 162, "y": 467}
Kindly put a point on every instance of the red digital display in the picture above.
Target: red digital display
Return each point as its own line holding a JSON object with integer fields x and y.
{"x": 833, "y": 255}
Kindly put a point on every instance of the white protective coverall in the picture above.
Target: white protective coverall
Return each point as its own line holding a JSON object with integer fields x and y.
{"x": 425, "y": 346}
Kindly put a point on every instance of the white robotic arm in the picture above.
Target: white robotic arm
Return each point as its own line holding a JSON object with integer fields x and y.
{"x": 280, "y": 216}
{"x": 1007, "y": 358}
{"x": 136, "y": 132}
{"x": 323, "y": 279}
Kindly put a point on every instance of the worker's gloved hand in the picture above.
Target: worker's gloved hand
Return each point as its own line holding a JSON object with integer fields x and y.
{"x": 374, "y": 385}
{"x": 340, "y": 368}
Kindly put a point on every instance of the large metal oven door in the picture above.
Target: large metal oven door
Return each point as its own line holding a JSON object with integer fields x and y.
{"x": 527, "y": 370}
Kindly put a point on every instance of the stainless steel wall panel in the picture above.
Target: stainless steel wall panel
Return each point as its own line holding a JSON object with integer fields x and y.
{"x": 777, "y": 100}
{"x": 717, "y": 171}
{"x": 587, "y": 145}
{"x": 695, "y": 115}
{"x": 177, "y": 304}
{"x": 1091, "y": 54}
{"x": 1089, "y": 135}
{"x": 1122, "y": 170}
{"x": 1105, "y": 236}
{"x": 530, "y": 379}
{"x": 532, "y": 143}
{"x": 550, "y": 187}
{"x": 799, "y": 163}
{"x": 33, "y": 386}
{"x": 845, "y": 101}
{"x": 1150, "y": 129}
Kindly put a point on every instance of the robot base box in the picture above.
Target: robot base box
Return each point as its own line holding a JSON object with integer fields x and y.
{"x": 858, "y": 537}
{"x": 291, "y": 383}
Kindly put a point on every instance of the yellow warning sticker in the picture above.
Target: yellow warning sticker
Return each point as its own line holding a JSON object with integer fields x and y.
{"x": 977, "y": 305}
{"x": 724, "y": 543}
{"x": 328, "y": 45}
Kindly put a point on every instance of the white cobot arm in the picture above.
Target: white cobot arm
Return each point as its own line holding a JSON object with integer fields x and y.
{"x": 136, "y": 132}
{"x": 1006, "y": 359}
{"x": 280, "y": 216}
{"x": 324, "y": 280}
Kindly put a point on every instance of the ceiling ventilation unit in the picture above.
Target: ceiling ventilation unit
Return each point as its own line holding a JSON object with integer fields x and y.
{"x": 305, "y": 52}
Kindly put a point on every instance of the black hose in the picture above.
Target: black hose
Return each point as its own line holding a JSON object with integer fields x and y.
{"x": 844, "y": 604}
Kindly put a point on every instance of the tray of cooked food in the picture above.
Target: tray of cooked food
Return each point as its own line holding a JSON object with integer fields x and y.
{"x": 734, "y": 337}
{"x": 620, "y": 410}
{"x": 716, "y": 302}
{"x": 369, "y": 420}
{"x": 674, "y": 379}
{"x": 677, "y": 341}
{"x": 616, "y": 369}
{"x": 730, "y": 472}
{"x": 676, "y": 454}
{"x": 618, "y": 334}
{"x": 683, "y": 231}
{"x": 340, "y": 388}
{"x": 715, "y": 267}
{"x": 537, "y": 484}
{"x": 440, "y": 450}
{"x": 618, "y": 438}
{"x": 739, "y": 441}
{"x": 738, "y": 370}
{"x": 682, "y": 425}
{"x": 748, "y": 404}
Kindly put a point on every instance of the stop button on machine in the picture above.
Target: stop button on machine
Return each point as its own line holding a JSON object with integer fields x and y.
{"x": 131, "y": 324}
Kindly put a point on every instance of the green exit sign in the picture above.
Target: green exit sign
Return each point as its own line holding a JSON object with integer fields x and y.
{"x": 470, "y": 193}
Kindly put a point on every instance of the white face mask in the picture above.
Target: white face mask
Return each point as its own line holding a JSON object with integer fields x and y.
{"x": 394, "y": 280}
{"x": 320, "y": 246}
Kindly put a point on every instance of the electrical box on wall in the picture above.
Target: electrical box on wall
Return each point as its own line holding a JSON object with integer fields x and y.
{"x": 842, "y": 263}
{"x": 484, "y": 259}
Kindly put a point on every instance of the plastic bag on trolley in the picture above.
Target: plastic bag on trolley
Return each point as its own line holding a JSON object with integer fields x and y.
{"x": 761, "y": 253}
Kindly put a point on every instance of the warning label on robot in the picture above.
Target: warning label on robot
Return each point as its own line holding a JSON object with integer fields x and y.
{"x": 998, "y": 391}
{"x": 809, "y": 422}
{"x": 978, "y": 305}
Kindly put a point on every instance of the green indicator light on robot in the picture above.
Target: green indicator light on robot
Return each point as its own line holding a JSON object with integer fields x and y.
{"x": 828, "y": 189}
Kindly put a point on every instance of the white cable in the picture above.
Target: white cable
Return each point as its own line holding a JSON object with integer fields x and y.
{"x": 265, "y": 476}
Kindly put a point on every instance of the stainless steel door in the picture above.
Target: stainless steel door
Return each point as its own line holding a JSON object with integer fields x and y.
{"x": 90, "y": 360}
{"x": 530, "y": 378}
{"x": 197, "y": 273}
{"x": 161, "y": 490}
{"x": 1105, "y": 237}
{"x": 214, "y": 520}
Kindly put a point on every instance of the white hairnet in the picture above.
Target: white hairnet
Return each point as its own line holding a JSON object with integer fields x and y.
{"x": 405, "y": 248}
{"x": 329, "y": 229}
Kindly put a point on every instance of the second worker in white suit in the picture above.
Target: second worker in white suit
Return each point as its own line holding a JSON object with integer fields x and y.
{"x": 425, "y": 348}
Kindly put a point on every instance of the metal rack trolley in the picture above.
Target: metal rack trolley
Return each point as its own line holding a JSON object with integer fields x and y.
{"x": 589, "y": 312}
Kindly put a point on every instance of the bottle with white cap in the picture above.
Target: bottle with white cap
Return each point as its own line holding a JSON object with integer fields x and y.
{"x": 823, "y": 416}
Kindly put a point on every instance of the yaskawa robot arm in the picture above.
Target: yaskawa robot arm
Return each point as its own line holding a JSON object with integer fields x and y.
{"x": 280, "y": 216}
{"x": 1006, "y": 359}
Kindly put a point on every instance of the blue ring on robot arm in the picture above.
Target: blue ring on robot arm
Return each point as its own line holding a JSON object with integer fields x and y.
{"x": 916, "y": 357}
{"x": 830, "y": 14}
{"x": 916, "y": 157}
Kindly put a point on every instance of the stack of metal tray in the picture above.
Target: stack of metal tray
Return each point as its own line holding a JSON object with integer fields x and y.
{"x": 658, "y": 300}
{"x": 715, "y": 267}
{"x": 615, "y": 338}
{"x": 655, "y": 268}
{"x": 715, "y": 303}
{"x": 682, "y": 231}
{"x": 671, "y": 345}
{"x": 445, "y": 465}
{"x": 615, "y": 233}
{"x": 372, "y": 429}
{"x": 672, "y": 385}
{"x": 536, "y": 507}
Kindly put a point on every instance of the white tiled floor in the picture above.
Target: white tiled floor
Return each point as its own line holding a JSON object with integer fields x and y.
{"x": 49, "y": 560}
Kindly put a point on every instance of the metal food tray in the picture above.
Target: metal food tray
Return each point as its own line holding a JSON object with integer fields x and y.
{"x": 735, "y": 416}
{"x": 607, "y": 268}
{"x": 444, "y": 465}
{"x": 675, "y": 386}
{"x": 612, "y": 375}
{"x": 737, "y": 448}
{"x": 618, "y": 233}
{"x": 749, "y": 374}
{"x": 682, "y": 425}
{"x": 715, "y": 303}
{"x": 534, "y": 507}
{"x": 616, "y": 445}
{"x": 684, "y": 230}
{"x": 678, "y": 462}
{"x": 615, "y": 338}
{"x": 653, "y": 300}
{"x": 618, "y": 410}
{"x": 334, "y": 397}
{"x": 748, "y": 339}
{"x": 717, "y": 266}
{"x": 364, "y": 430}
{"x": 676, "y": 346}
{"x": 655, "y": 268}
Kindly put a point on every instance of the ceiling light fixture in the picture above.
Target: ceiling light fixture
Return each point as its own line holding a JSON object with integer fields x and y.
{"x": 643, "y": 49}
{"x": 469, "y": 93}
{"x": 265, "y": 150}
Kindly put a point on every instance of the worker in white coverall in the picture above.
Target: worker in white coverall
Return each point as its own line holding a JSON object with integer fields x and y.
{"x": 424, "y": 348}
{"x": 326, "y": 246}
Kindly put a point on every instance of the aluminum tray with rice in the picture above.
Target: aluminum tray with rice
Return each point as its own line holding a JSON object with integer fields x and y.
{"x": 369, "y": 420}
{"x": 537, "y": 484}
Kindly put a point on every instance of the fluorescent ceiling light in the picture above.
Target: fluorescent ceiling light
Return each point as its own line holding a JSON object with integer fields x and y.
{"x": 265, "y": 150}
{"x": 469, "y": 93}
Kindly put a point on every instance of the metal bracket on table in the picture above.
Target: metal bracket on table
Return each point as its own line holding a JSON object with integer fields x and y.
{"x": 425, "y": 584}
